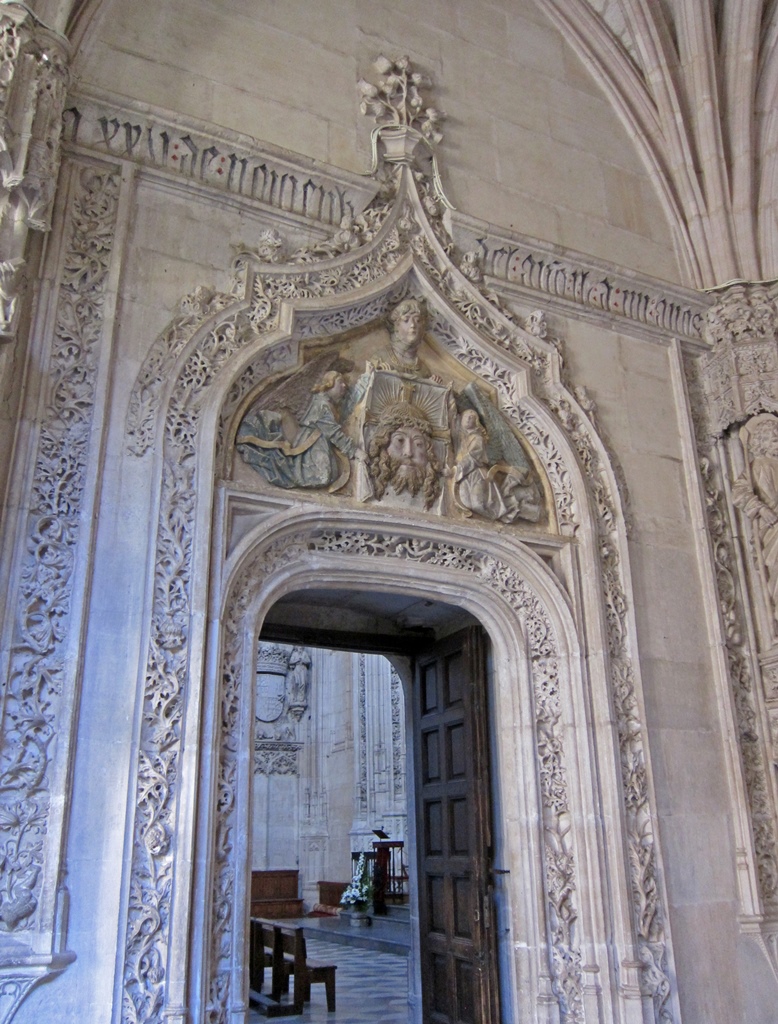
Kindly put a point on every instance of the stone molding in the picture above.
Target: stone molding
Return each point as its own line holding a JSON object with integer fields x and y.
{"x": 560, "y": 880}
{"x": 41, "y": 691}
{"x": 573, "y": 280}
{"x": 222, "y": 160}
{"x": 33, "y": 82}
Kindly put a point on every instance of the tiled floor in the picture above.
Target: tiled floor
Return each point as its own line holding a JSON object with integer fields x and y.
{"x": 371, "y": 987}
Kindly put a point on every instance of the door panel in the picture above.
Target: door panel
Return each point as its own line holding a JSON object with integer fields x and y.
{"x": 458, "y": 948}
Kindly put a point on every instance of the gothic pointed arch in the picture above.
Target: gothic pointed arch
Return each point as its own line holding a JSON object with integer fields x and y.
{"x": 205, "y": 371}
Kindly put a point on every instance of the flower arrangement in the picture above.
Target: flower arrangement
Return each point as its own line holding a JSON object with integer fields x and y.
{"x": 359, "y": 893}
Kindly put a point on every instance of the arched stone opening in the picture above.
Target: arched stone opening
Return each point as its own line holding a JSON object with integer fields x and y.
{"x": 546, "y": 806}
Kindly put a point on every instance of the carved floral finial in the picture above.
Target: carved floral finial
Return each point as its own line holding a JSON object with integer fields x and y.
{"x": 397, "y": 99}
{"x": 403, "y": 122}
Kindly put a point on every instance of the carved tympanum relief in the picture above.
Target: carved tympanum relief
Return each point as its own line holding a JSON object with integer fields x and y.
{"x": 394, "y": 431}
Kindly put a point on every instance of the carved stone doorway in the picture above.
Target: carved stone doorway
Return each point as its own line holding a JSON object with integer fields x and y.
{"x": 441, "y": 654}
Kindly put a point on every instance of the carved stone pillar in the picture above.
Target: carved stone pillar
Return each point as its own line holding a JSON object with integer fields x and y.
{"x": 737, "y": 439}
{"x": 33, "y": 84}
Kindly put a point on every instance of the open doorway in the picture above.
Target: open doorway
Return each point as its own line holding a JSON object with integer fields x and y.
{"x": 439, "y": 670}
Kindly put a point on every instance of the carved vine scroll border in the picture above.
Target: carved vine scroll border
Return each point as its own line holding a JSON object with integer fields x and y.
{"x": 558, "y": 855}
{"x": 743, "y": 683}
{"x": 41, "y": 679}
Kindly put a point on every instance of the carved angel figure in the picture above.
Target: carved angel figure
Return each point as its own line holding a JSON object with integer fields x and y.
{"x": 758, "y": 496}
{"x": 313, "y": 453}
{"x": 495, "y": 491}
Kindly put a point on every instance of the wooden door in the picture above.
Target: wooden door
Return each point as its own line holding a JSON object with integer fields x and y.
{"x": 457, "y": 941}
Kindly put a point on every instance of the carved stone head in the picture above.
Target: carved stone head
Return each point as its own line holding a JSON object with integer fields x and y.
{"x": 407, "y": 324}
{"x": 401, "y": 454}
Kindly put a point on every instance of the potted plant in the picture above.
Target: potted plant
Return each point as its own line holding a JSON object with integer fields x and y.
{"x": 359, "y": 893}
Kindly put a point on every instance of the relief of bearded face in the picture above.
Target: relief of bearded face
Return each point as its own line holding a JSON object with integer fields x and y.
{"x": 402, "y": 457}
{"x": 408, "y": 446}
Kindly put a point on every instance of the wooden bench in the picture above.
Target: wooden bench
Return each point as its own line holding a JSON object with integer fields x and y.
{"x": 274, "y": 894}
{"x": 265, "y": 951}
{"x": 283, "y": 949}
{"x": 306, "y": 972}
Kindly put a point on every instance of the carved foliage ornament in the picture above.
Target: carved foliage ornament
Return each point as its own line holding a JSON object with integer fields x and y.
{"x": 39, "y": 671}
{"x": 33, "y": 82}
{"x": 741, "y": 373}
{"x": 745, "y": 700}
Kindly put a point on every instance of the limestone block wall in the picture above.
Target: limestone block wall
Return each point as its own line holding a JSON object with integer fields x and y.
{"x": 534, "y": 145}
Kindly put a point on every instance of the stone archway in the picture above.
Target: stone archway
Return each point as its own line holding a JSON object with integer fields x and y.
{"x": 203, "y": 606}
{"x": 535, "y": 666}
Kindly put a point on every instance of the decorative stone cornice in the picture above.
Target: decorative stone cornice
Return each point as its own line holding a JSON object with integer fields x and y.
{"x": 296, "y": 188}
{"x": 740, "y": 375}
{"x": 222, "y": 160}
{"x": 33, "y": 82}
{"x": 571, "y": 279}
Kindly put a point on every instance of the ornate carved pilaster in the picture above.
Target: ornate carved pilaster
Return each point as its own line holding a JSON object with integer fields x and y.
{"x": 33, "y": 83}
{"x": 740, "y": 375}
{"x": 734, "y": 393}
{"x": 45, "y": 604}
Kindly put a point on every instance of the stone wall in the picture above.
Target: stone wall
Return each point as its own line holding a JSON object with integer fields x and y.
{"x": 535, "y": 147}
{"x": 556, "y": 167}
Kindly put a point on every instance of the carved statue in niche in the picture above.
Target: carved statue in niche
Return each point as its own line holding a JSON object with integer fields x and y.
{"x": 756, "y": 493}
{"x": 297, "y": 681}
{"x": 312, "y": 453}
{"x": 415, "y": 440}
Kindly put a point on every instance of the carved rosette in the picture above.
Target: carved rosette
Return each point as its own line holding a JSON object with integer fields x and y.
{"x": 33, "y": 84}
{"x": 740, "y": 375}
